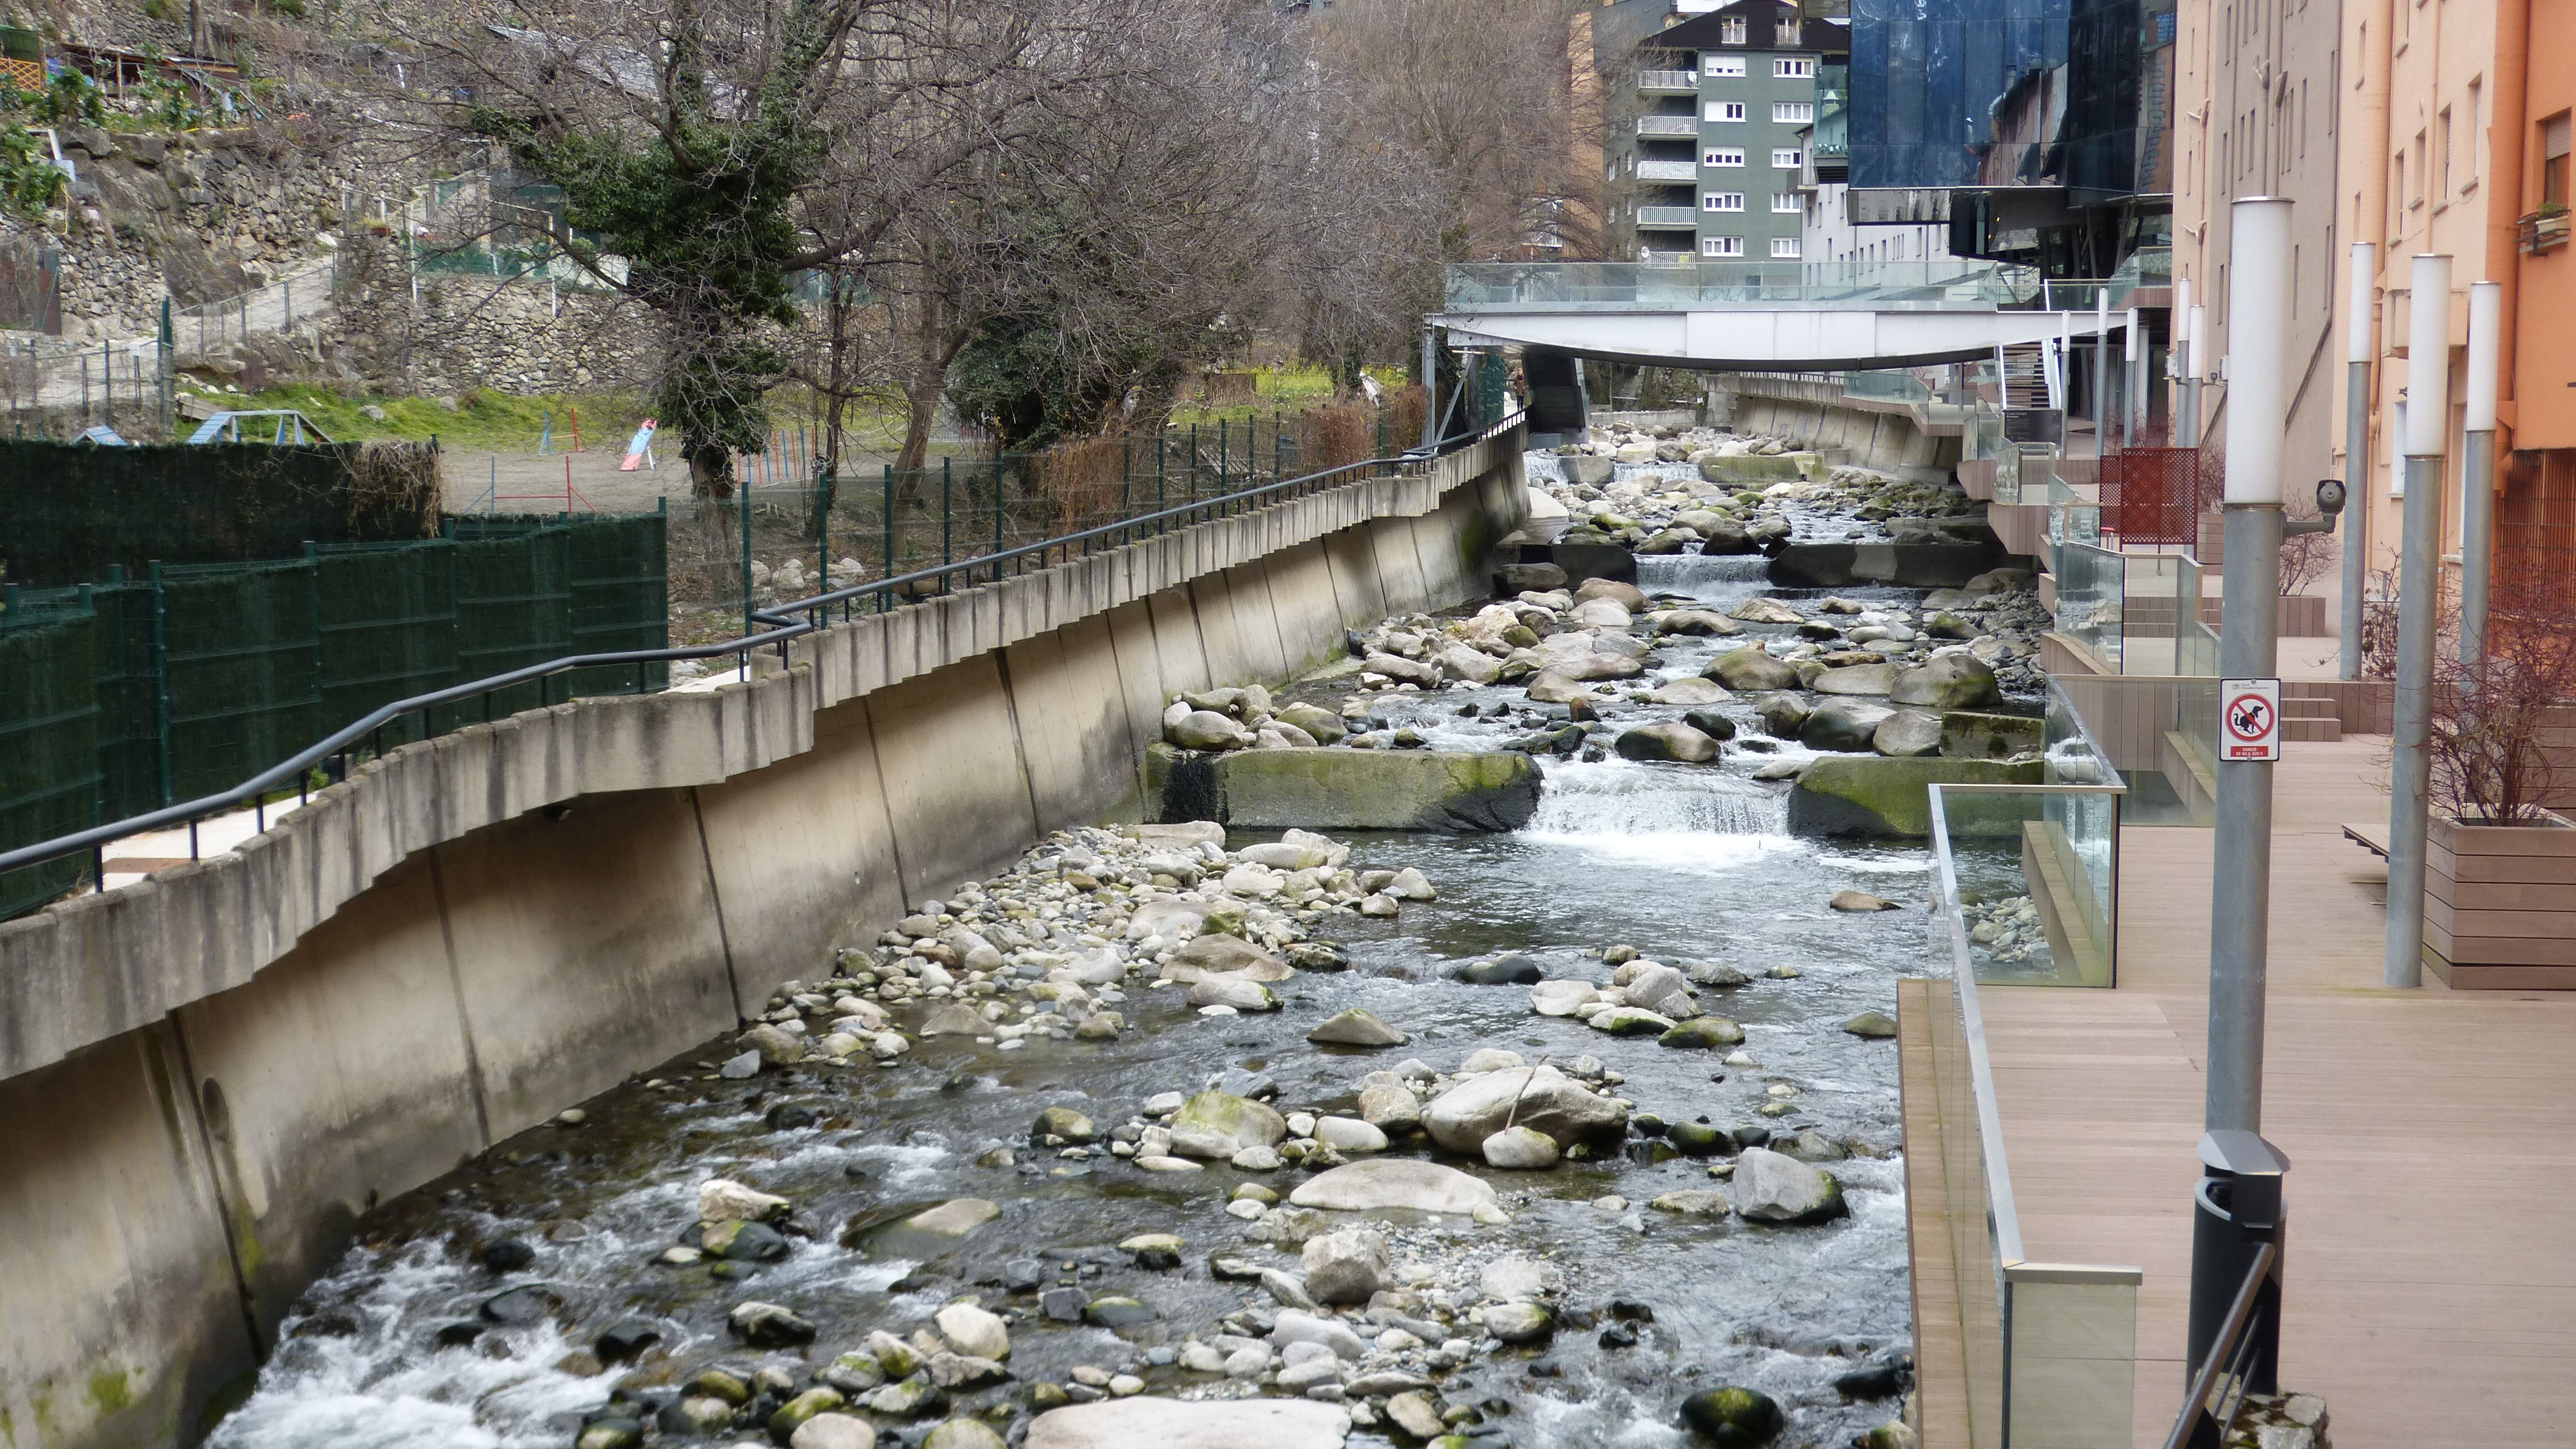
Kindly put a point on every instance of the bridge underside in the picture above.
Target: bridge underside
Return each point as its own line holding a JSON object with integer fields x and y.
{"x": 1749, "y": 339}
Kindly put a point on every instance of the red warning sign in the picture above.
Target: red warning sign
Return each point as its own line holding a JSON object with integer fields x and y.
{"x": 2249, "y": 719}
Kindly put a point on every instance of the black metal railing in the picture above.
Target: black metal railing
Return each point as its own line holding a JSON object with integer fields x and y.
{"x": 2237, "y": 1362}
{"x": 333, "y": 756}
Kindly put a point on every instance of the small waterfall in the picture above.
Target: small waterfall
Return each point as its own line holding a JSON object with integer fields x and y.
{"x": 1686, "y": 573}
{"x": 1686, "y": 819}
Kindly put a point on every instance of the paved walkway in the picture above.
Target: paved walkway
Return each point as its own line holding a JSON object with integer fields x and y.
{"x": 2432, "y": 1137}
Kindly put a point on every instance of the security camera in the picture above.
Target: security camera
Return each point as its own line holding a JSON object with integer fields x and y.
{"x": 2329, "y": 504}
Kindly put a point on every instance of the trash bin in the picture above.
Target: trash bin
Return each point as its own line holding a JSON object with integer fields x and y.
{"x": 2238, "y": 1210}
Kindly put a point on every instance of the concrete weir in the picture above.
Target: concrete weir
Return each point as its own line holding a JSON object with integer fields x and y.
{"x": 207, "y": 1078}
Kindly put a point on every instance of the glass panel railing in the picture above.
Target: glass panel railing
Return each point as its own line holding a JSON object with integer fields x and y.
{"x": 1631, "y": 286}
{"x": 2048, "y": 1351}
{"x": 2043, "y": 864}
{"x": 2091, "y": 589}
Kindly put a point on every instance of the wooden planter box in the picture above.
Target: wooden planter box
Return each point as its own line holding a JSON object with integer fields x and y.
{"x": 2500, "y": 905}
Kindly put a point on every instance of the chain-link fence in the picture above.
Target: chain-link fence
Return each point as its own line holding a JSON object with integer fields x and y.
{"x": 139, "y": 692}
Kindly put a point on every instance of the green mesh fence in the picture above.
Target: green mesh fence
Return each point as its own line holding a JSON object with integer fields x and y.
{"x": 388, "y": 629}
{"x": 72, "y": 512}
{"x": 49, "y": 780}
{"x": 241, "y": 653}
{"x": 134, "y": 694}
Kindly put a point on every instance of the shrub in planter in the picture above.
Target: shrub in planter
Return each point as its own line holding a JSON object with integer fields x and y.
{"x": 2500, "y": 868}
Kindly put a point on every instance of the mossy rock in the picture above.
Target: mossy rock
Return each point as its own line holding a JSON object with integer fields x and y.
{"x": 1974, "y": 735}
{"x": 1345, "y": 789}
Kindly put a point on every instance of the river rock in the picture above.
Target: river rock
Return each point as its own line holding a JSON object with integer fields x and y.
{"x": 743, "y": 1242}
{"x": 1861, "y": 902}
{"x": 1596, "y": 667}
{"x": 1695, "y": 622}
{"x": 1699, "y": 1202}
{"x": 962, "y": 1434}
{"x": 1205, "y": 729}
{"x": 1117, "y": 1312}
{"x": 1690, "y": 690}
{"x": 1655, "y": 987}
{"x": 723, "y": 1200}
{"x": 1971, "y": 735}
{"x": 1601, "y": 614}
{"x": 1872, "y": 1026}
{"x": 1843, "y": 724}
{"x": 1864, "y": 679}
{"x": 1701, "y": 1033}
{"x": 1672, "y": 740}
{"x": 1066, "y": 1123}
{"x": 1947, "y": 681}
{"x": 1356, "y": 1027}
{"x": 1220, "y": 952}
{"x": 1345, "y": 1267}
{"x": 1699, "y": 1139}
{"x": 1414, "y": 1414}
{"x": 954, "y": 1020}
{"x": 973, "y": 1331}
{"x": 1752, "y": 669}
{"x": 766, "y": 1325}
{"x": 1560, "y": 998}
{"x": 777, "y": 1047}
{"x": 1516, "y": 1322}
{"x": 1461, "y": 1118}
{"x": 1238, "y": 992}
{"x": 1907, "y": 732}
{"x": 1324, "y": 726}
{"x": 1713, "y": 974}
{"x": 1520, "y": 1149}
{"x": 1472, "y": 665}
{"x": 1502, "y": 971}
{"x": 1174, "y": 1424}
{"x": 954, "y": 1218}
{"x": 1783, "y": 715}
{"x": 1394, "y": 1182}
{"x": 1349, "y": 1134}
{"x": 1631, "y": 1021}
{"x": 1765, "y": 610}
{"x": 1297, "y": 1327}
{"x": 1733, "y": 1418}
{"x": 1773, "y": 1187}
{"x": 1216, "y": 1125}
{"x": 833, "y": 1431}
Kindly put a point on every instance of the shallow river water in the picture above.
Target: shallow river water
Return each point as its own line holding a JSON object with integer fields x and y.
{"x": 1684, "y": 863}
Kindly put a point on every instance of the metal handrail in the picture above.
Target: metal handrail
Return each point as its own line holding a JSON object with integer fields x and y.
{"x": 2234, "y": 1343}
{"x": 296, "y": 769}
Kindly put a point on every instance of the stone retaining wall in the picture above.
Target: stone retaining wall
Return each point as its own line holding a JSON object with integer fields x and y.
{"x": 207, "y": 1078}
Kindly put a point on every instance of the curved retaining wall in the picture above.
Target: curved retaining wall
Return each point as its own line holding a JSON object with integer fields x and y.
{"x": 207, "y": 1078}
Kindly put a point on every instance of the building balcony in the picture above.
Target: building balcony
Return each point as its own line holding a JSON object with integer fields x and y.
{"x": 1667, "y": 218}
{"x": 2542, "y": 230}
{"x": 1668, "y": 82}
{"x": 1668, "y": 171}
{"x": 1682, "y": 126}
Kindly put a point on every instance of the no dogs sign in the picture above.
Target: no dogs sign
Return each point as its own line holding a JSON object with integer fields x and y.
{"x": 2249, "y": 719}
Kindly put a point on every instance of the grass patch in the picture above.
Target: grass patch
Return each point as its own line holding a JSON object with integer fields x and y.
{"x": 484, "y": 419}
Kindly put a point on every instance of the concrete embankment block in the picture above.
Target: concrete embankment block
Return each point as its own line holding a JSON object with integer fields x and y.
{"x": 1875, "y": 795}
{"x": 1345, "y": 789}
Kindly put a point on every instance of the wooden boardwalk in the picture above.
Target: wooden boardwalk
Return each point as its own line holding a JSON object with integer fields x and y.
{"x": 2431, "y": 1134}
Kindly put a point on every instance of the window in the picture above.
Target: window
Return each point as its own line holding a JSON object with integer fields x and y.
{"x": 1786, "y": 31}
{"x": 1724, "y": 156}
{"x": 1720, "y": 65}
{"x": 1787, "y": 158}
{"x": 2553, "y": 162}
{"x": 2477, "y": 134}
{"x": 1786, "y": 201}
{"x": 2442, "y": 156}
{"x": 1798, "y": 68}
{"x": 1721, "y": 246}
{"x": 1722, "y": 111}
{"x": 1730, "y": 30}
{"x": 1721, "y": 201}
{"x": 1799, "y": 112}
{"x": 1784, "y": 246}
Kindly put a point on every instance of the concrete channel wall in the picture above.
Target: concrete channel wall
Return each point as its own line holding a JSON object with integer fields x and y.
{"x": 208, "y": 1077}
{"x": 1874, "y": 434}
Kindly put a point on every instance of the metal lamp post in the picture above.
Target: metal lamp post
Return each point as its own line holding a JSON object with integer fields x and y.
{"x": 2358, "y": 313}
{"x": 2428, "y": 412}
{"x": 2477, "y": 467}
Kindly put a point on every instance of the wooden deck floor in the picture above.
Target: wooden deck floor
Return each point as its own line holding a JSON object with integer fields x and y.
{"x": 2431, "y": 1133}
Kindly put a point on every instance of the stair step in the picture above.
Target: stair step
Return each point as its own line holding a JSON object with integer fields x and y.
{"x": 2297, "y": 707}
{"x": 2315, "y": 731}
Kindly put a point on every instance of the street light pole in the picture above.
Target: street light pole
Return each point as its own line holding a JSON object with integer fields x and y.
{"x": 2428, "y": 414}
{"x": 2357, "y": 316}
{"x": 2197, "y": 369}
{"x": 2258, "y": 313}
{"x": 2477, "y": 468}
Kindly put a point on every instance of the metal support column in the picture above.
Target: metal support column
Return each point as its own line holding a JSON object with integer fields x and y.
{"x": 2477, "y": 468}
{"x": 2102, "y": 370}
{"x": 2358, "y": 315}
{"x": 2428, "y": 410}
{"x": 2193, "y": 371}
{"x": 1429, "y": 377}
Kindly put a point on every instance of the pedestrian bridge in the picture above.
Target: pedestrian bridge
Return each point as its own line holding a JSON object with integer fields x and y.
{"x": 1780, "y": 316}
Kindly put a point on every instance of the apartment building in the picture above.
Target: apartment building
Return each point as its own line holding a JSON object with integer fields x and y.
{"x": 1708, "y": 157}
